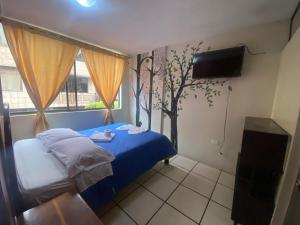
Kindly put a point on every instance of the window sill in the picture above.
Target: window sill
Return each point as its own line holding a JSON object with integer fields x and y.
{"x": 59, "y": 111}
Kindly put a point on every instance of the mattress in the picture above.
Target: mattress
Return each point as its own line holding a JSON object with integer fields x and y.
{"x": 134, "y": 155}
{"x": 40, "y": 175}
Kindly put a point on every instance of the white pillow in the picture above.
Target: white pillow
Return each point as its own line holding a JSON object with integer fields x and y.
{"x": 80, "y": 154}
{"x": 51, "y": 136}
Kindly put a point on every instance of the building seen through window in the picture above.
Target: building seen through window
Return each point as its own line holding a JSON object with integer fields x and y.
{"x": 78, "y": 93}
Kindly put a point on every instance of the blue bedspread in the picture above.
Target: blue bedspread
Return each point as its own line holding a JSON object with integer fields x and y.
{"x": 135, "y": 154}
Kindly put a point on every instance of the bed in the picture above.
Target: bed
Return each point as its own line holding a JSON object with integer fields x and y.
{"x": 134, "y": 155}
{"x": 40, "y": 175}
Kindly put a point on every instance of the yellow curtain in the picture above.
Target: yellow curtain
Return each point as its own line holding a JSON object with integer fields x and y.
{"x": 107, "y": 72}
{"x": 44, "y": 64}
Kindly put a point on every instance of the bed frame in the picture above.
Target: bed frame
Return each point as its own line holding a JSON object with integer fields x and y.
{"x": 16, "y": 203}
{"x": 7, "y": 212}
{"x": 12, "y": 182}
{"x": 8, "y": 207}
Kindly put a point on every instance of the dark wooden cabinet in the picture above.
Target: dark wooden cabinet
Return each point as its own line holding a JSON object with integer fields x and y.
{"x": 259, "y": 167}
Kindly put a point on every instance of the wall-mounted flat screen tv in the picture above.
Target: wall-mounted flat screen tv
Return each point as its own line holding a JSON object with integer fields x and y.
{"x": 218, "y": 64}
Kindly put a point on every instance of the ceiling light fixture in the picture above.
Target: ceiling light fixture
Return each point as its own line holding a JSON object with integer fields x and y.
{"x": 86, "y": 3}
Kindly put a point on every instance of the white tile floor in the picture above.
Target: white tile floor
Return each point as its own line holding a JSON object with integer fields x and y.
{"x": 185, "y": 192}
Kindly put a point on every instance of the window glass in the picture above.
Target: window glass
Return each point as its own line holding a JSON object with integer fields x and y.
{"x": 79, "y": 91}
{"x": 11, "y": 80}
{"x": 83, "y": 84}
{"x": 87, "y": 96}
{"x": 2, "y": 36}
{"x": 60, "y": 103}
{"x": 13, "y": 89}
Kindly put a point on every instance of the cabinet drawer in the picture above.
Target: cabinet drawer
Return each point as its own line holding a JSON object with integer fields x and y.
{"x": 259, "y": 183}
{"x": 248, "y": 210}
{"x": 264, "y": 150}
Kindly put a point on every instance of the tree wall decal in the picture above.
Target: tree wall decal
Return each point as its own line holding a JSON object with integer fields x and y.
{"x": 139, "y": 86}
{"x": 153, "y": 72}
{"x": 148, "y": 73}
{"x": 178, "y": 78}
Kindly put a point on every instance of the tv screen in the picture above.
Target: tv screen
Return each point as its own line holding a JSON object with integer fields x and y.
{"x": 218, "y": 64}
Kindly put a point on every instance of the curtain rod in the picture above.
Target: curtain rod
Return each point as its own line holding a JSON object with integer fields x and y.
{"x": 61, "y": 36}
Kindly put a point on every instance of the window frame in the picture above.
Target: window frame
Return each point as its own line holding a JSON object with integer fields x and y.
{"x": 67, "y": 108}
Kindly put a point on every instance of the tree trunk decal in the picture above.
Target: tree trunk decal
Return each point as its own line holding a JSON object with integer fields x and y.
{"x": 139, "y": 86}
{"x": 149, "y": 69}
{"x": 153, "y": 72}
{"x": 178, "y": 79}
{"x": 138, "y": 91}
{"x": 175, "y": 73}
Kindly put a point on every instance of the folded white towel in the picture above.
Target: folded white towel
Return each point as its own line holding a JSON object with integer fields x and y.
{"x": 136, "y": 130}
{"x": 99, "y": 136}
{"x": 126, "y": 127}
{"x": 132, "y": 129}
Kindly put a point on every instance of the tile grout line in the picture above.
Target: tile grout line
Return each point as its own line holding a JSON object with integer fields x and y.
{"x": 210, "y": 197}
{"x": 108, "y": 209}
{"x": 209, "y": 179}
{"x": 186, "y": 171}
{"x": 227, "y": 186}
{"x": 165, "y": 201}
{"x": 191, "y": 188}
{"x": 120, "y": 207}
{"x": 117, "y": 204}
{"x": 226, "y": 207}
{"x": 178, "y": 184}
{"x": 127, "y": 195}
{"x": 181, "y": 212}
{"x": 139, "y": 184}
{"x": 200, "y": 175}
{"x": 184, "y": 185}
{"x": 215, "y": 183}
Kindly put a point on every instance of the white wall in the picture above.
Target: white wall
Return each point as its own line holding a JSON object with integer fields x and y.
{"x": 286, "y": 102}
{"x": 22, "y": 125}
{"x": 252, "y": 95}
{"x": 286, "y": 113}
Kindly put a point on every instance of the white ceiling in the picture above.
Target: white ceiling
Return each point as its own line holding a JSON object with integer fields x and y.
{"x": 133, "y": 26}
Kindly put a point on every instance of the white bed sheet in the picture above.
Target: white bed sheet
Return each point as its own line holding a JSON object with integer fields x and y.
{"x": 41, "y": 176}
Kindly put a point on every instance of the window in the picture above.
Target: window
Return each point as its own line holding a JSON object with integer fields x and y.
{"x": 87, "y": 97}
{"x": 2, "y": 37}
{"x": 78, "y": 93}
{"x": 82, "y": 84}
{"x": 13, "y": 89}
{"x": 11, "y": 80}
